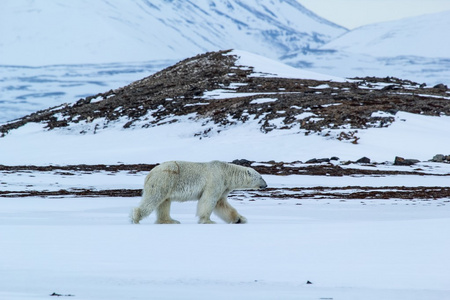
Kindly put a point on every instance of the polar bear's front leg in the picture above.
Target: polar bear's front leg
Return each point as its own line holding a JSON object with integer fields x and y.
{"x": 205, "y": 207}
{"x": 228, "y": 213}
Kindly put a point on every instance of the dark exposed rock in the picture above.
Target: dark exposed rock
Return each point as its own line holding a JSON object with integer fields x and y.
{"x": 363, "y": 160}
{"x": 440, "y": 86}
{"x": 317, "y": 160}
{"x": 438, "y": 158}
{"x": 400, "y": 161}
{"x": 441, "y": 158}
{"x": 321, "y": 160}
{"x": 60, "y": 295}
{"x": 242, "y": 162}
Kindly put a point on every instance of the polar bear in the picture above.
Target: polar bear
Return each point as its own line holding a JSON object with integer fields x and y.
{"x": 209, "y": 183}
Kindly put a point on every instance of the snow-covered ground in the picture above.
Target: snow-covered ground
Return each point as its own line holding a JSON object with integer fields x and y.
{"x": 410, "y": 136}
{"x": 85, "y": 247}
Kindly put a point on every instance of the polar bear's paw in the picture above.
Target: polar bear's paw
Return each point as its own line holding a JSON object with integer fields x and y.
{"x": 240, "y": 220}
{"x": 171, "y": 221}
{"x": 205, "y": 221}
{"x": 135, "y": 216}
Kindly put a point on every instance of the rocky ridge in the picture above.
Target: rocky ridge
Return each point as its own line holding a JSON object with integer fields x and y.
{"x": 186, "y": 89}
{"x": 350, "y": 192}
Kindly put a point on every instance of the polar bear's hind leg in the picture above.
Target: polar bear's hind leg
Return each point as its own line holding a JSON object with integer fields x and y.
{"x": 150, "y": 201}
{"x": 135, "y": 215}
{"x": 163, "y": 213}
{"x": 139, "y": 213}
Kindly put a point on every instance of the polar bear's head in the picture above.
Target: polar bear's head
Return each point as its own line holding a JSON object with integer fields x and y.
{"x": 255, "y": 179}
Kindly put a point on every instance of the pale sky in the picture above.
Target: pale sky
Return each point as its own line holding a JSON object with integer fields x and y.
{"x": 355, "y": 13}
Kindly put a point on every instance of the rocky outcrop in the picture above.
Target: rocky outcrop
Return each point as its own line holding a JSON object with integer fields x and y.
{"x": 441, "y": 158}
{"x": 400, "y": 161}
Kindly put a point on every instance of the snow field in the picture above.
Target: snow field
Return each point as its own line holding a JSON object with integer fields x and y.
{"x": 353, "y": 249}
{"x": 85, "y": 247}
{"x": 410, "y": 136}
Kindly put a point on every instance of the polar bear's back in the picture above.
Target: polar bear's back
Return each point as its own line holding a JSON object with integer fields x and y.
{"x": 185, "y": 167}
{"x": 183, "y": 180}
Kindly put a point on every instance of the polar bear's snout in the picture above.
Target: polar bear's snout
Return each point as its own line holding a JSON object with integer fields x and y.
{"x": 262, "y": 184}
{"x": 256, "y": 180}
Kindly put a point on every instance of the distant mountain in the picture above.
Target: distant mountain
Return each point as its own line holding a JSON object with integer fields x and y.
{"x": 43, "y": 32}
{"x": 416, "y": 48}
{"x": 424, "y": 36}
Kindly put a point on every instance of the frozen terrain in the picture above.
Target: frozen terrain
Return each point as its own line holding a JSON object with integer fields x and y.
{"x": 378, "y": 231}
{"x": 85, "y": 247}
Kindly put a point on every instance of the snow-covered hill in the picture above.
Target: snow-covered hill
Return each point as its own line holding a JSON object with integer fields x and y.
{"x": 42, "y": 32}
{"x": 423, "y": 36}
{"x": 415, "y": 48}
{"x": 228, "y": 105}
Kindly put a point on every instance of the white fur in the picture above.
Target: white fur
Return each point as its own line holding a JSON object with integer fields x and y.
{"x": 209, "y": 183}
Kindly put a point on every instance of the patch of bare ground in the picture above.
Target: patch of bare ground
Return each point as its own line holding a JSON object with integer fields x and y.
{"x": 320, "y": 192}
{"x": 355, "y": 192}
{"x": 266, "y": 168}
